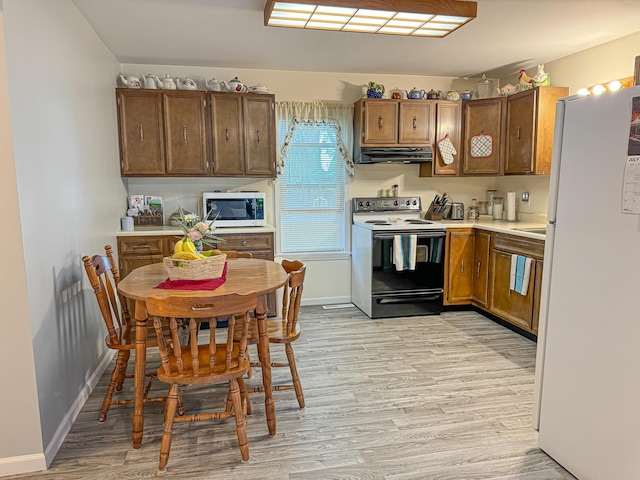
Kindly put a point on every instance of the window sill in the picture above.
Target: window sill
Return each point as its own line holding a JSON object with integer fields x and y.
{"x": 321, "y": 256}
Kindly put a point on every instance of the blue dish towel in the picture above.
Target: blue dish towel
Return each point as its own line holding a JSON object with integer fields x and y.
{"x": 520, "y": 274}
{"x": 404, "y": 252}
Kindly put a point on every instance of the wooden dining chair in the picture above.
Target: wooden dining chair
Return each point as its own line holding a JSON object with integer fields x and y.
{"x": 121, "y": 331}
{"x": 285, "y": 330}
{"x": 206, "y": 363}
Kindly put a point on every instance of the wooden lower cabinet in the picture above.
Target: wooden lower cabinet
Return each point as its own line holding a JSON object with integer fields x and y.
{"x": 459, "y": 266}
{"x": 481, "y": 257}
{"x": 134, "y": 252}
{"x": 507, "y": 304}
{"x": 478, "y": 272}
{"x": 520, "y": 310}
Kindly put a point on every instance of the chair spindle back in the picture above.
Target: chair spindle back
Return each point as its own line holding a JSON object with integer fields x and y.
{"x": 292, "y": 293}
{"x": 196, "y": 309}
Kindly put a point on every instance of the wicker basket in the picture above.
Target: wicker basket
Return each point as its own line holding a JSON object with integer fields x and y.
{"x": 210, "y": 267}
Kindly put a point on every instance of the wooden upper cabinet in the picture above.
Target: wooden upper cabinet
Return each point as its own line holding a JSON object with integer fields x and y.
{"x": 228, "y": 134}
{"x": 173, "y": 133}
{"x": 530, "y": 128}
{"x": 379, "y": 121}
{"x": 417, "y": 122}
{"x": 483, "y": 120}
{"x": 244, "y": 134}
{"x": 448, "y": 122}
{"x": 141, "y": 132}
{"x": 185, "y": 133}
{"x": 260, "y": 135}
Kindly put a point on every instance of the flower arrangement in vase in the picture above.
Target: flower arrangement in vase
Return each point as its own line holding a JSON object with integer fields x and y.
{"x": 197, "y": 233}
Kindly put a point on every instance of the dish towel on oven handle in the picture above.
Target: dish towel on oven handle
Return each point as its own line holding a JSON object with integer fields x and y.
{"x": 520, "y": 273}
{"x": 404, "y": 252}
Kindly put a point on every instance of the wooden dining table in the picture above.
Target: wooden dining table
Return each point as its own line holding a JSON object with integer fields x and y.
{"x": 243, "y": 275}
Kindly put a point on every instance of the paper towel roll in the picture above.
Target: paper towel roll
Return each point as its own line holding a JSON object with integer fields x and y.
{"x": 511, "y": 206}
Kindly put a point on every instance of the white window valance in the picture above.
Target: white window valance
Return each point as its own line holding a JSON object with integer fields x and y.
{"x": 292, "y": 114}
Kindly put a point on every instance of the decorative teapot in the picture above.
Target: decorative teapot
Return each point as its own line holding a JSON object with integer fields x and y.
{"x": 415, "y": 94}
{"x": 434, "y": 95}
{"x": 213, "y": 85}
{"x": 186, "y": 84}
{"x": 130, "y": 81}
{"x": 466, "y": 95}
{"x": 452, "y": 95}
{"x": 168, "y": 83}
{"x": 151, "y": 81}
{"x": 235, "y": 85}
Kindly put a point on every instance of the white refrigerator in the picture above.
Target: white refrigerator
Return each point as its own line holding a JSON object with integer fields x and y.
{"x": 587, "y": 388}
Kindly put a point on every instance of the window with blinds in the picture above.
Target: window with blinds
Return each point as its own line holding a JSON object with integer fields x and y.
{"x": 311, "y": 191}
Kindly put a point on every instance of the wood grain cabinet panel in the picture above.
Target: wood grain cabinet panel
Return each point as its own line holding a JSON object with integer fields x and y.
{"x": 227, "y": 130}
{"x": 243, "y": 134}
{"x": 185, "y": 135}
{"x": 448, "y": 122}
{"x": 530, "y": 128}
{"x": 376, "y": 121}
{"x": 417, "y": 122}
{"x": 484, "y": 117}
{"x": 459, "y": 266}
{"x": 141, "y": 132}
{"x": 481, "y": 256}
{"x": 260, "y": 135}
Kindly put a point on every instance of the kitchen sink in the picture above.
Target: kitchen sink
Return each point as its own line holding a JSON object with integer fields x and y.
{"x": 538, "y": 230}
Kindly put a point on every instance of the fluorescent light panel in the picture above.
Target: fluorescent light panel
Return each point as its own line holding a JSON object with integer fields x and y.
{"x": 352, "y": 19}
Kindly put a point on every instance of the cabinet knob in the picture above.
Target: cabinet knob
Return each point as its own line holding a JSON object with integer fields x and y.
{"x": 244, "y": 243}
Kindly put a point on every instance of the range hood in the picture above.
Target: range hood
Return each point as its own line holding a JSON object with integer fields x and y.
{"x": 395, "y": 155}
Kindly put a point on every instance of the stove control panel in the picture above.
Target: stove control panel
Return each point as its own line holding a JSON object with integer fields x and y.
{"x": 393, "y": 204}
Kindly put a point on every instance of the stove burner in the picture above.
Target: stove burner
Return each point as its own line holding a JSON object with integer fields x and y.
{"x": 378, "y": 222}
{"x": 418, "y": 221}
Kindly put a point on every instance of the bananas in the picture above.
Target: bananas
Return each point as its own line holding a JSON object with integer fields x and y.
{"x": 178, "y": 246}
{"x": 187, "y": 256}
{"x": 188, "y": 246}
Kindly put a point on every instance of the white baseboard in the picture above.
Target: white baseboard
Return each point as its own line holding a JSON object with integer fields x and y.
{"x": 324, "y": 300}
{"x": 22, "y": 464}
{"x": 67, "y": 422}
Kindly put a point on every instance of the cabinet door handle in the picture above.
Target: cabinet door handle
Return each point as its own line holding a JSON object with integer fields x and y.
{"x": 461, "y": 266}
{"x": 379, "y": 122}
{"x": 226, "y": 134}
{"x": 244, "y": 243}
{"x": 184, "y": 134}
{"x": 141, "y": 133}
{"x": 258, "y": 135}
{"x": 142, "y": 245}
{"x": 478, "y": 269}
{"x": 415, "y": 125}
{"x": 518, "y": 132}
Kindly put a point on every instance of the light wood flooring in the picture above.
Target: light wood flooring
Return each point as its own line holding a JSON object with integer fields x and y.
{"x": 438, "y": 397}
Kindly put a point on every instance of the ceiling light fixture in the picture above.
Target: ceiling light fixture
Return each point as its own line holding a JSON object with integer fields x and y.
{"x": 425, "y": 18}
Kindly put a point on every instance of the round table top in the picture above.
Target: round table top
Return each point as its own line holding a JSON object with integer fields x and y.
{"x": 243, "y": 275}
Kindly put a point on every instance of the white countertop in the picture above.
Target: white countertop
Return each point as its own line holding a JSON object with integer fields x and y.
{"x": 151, "y": 230}
{"x": 501, "y": 226}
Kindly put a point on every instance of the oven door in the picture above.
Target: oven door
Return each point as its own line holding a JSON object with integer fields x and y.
{"x": 397, "y": 289}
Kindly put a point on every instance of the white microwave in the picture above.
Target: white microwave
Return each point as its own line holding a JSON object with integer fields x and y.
{"x": 235, "y": 209}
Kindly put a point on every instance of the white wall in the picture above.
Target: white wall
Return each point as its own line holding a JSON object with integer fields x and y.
{"x": 63, "y": 116}
{"x": 20, "y": 442}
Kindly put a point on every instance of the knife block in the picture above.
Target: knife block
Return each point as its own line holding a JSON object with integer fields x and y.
{"x": 430, "y": 215}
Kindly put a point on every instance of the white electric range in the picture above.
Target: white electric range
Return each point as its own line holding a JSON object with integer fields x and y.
{"x": 397, "y": 258}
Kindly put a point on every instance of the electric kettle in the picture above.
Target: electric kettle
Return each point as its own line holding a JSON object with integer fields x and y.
{"x": 457, "y": 211}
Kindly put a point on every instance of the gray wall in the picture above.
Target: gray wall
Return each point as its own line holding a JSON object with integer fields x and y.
{"x": 63, "y": 116}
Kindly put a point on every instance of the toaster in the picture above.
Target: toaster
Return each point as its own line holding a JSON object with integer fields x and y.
{"x": 457, "y": 211}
